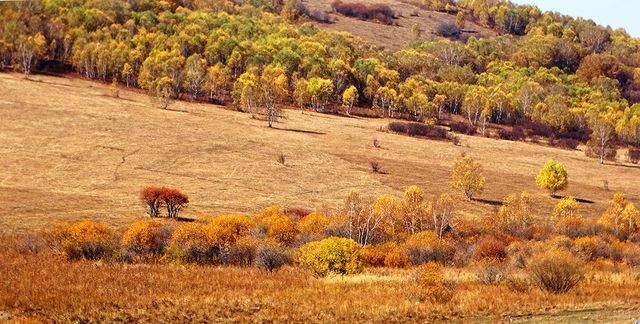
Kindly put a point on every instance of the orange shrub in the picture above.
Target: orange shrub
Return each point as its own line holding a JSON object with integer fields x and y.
{"x": 277, "y": 225}
{"x": 147, "y": 236}
{"x": 313, "y": 224}
{"x": 373, "y": 256}
{"x": 591, "y": 248}
{"x": 227, "y": 229}
{"x": 87, "y": 240}
{"x": 489, "y": 247}
{"x": 396, "y": 257}
{"x": 190, "y": 242}
{"x": 426, "y": 246}
{"x": 432, "y": 285}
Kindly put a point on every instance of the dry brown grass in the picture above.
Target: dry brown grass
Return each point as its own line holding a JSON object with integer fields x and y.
{"x": 43, "y": 287}
{"x": 70, "y": 151}
{"x": 390, "y": 36}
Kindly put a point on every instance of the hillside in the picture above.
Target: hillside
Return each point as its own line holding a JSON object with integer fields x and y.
{"x": 397, "y": 36}
{"x": 71, "y": 151}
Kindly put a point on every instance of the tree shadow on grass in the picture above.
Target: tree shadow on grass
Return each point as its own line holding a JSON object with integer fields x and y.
{"x": 300, "y": 131}
{"x": 491, "y": 202}
{"x": 615, "y": 164}
{"x": 580, "y": 200}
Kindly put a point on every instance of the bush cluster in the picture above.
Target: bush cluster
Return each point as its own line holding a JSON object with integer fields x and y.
{"x": 332, "y": 255}
{"x": 376, "y": 12}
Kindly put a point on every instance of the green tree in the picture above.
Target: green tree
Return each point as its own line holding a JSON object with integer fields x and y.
{"x": 553, "y": 177}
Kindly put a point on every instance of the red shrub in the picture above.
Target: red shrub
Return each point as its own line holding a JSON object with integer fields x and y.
{"x": 298, "y": 212}
{"x": 515, "y": 134}
{"x": 174, "y": 200}
{"x": 375, "y": 12}
{"x": 463, "y": 128}
{"x": 418, "y": 129}
{"x": 489, "y": 247}
{"x": 565, "y": 143}
{"x": 150, "y": 196}
{"x": 634, "y": 155}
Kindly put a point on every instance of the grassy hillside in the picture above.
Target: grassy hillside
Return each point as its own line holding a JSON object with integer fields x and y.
{"x": 397, "y": 36}
{"x": 71, "y": 151}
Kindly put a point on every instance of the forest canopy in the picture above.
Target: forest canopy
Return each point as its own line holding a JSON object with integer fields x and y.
{"x": 549, "y": 72}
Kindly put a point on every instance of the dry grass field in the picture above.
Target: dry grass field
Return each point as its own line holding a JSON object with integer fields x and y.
{"x": 398, "y": 36}
{"x": 68, "y": 151}
{"x": 44, "y": 288}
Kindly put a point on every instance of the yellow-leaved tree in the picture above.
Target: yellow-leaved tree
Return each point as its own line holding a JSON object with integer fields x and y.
{"x": 553, "y": 177}
{"x": 467, "y": 176}
{"x": 621, "y": 217}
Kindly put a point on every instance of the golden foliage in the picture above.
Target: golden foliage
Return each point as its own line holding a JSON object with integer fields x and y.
{"x": 514, "y": 214}
{"x": 566, "y": 207}
{"x": 278, "y": 226}
{"x": 191, "y": 242}
{"x": 331, "y": 256}
{"x": 87, "y": 239}
{"x": 314, "y": 223}
{"x": 467, "y": 176}
{"x": 621, "y": 217}
{"x": 553, "y": 177}
{"x": 146, "y": 236}
{"x": 227, "y": 229}
{"x": 432, "y": 284}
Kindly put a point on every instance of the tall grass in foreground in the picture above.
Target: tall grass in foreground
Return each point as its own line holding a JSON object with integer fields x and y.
{"x": 45, "y": 287}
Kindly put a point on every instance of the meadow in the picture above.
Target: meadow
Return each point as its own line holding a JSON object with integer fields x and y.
{"x": 71, "y": 151}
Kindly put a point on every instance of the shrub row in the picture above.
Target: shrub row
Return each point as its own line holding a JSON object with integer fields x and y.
{"x": 375, "y": 12}
{"x": 421, "y": 130}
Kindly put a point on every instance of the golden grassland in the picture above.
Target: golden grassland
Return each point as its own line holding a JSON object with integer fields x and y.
{"x": 70, "y": 151}
{"x": 394, "y": 37}
{"x": 44, "y": 287}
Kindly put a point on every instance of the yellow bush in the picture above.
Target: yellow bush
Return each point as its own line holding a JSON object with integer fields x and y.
{"x": 566, "y": 207}
{"x": 314, "y": 224}
{"x": 331, "y": 256}
{"x": 556, "y": 270}
{"x": 227, "y": 229}
{"x": 571, "y": 226}
{"x": 146, "y": 236}
{"x": 87, "y": 239}
{"x": 190, "y": 242}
